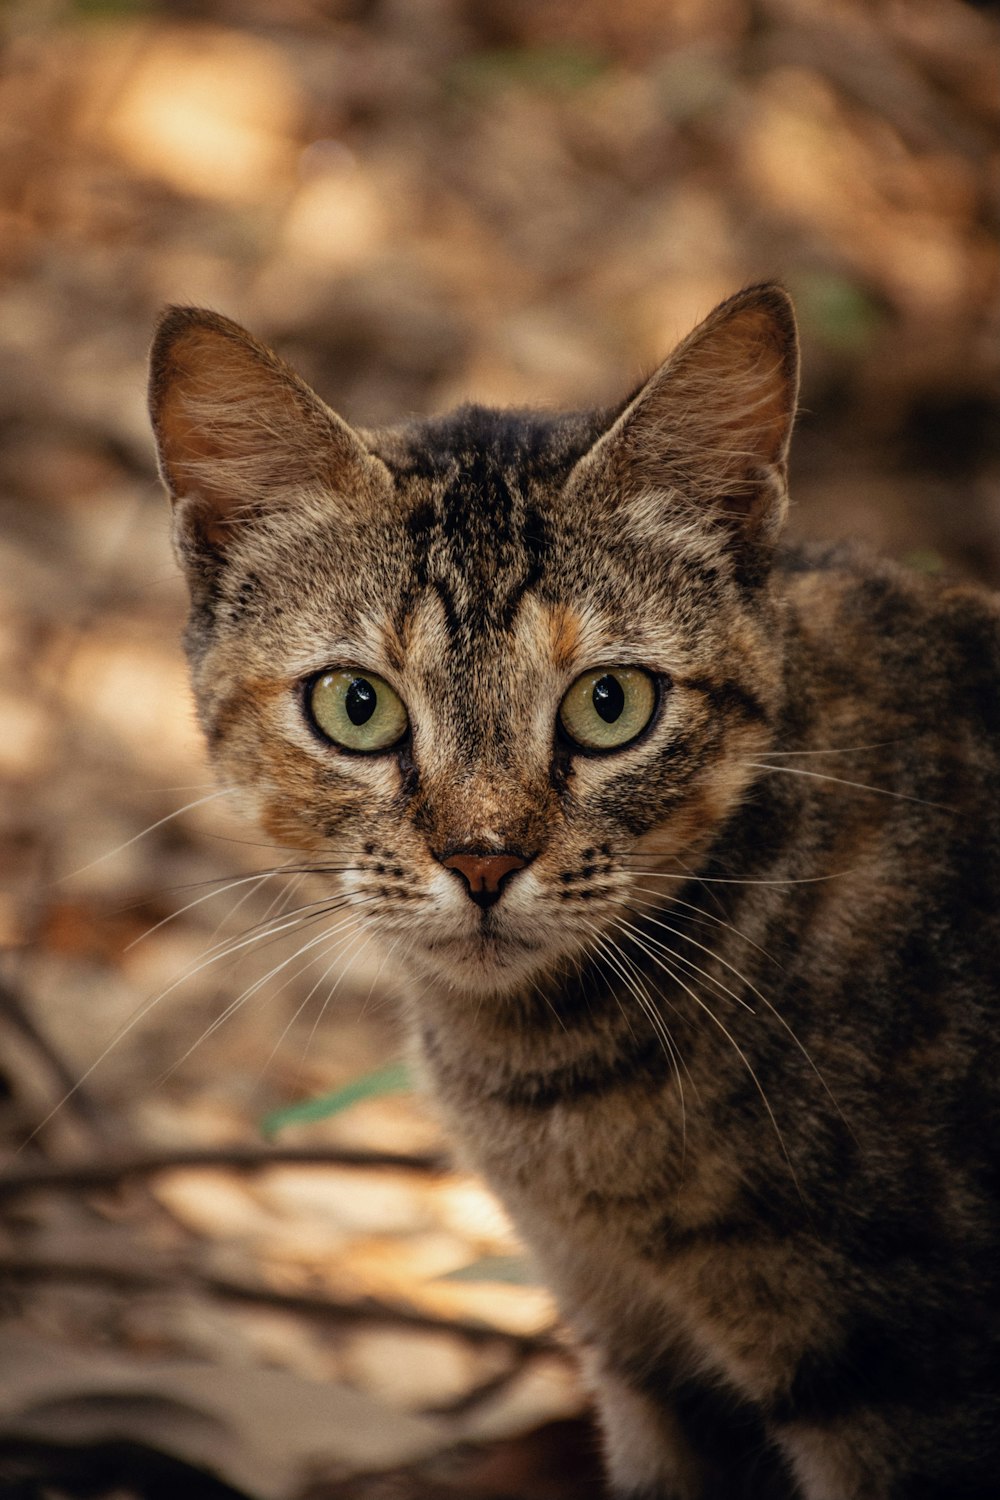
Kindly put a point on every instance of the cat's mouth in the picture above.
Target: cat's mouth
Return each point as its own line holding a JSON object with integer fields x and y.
{"x": 487, "y": 956}
{"x": 485, "y": 941}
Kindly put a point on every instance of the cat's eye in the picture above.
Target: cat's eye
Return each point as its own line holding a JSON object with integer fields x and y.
{"x": 608, "y": 707}
{"x": 356, "y": 710}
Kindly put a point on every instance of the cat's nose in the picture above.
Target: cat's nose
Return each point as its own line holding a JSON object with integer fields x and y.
{"x": 484, "y": 874}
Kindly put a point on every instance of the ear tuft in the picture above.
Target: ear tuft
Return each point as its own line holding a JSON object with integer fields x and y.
{"x": 236, "y": 429}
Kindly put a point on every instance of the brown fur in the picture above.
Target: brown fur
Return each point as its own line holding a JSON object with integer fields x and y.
{"x": 726, "y": 1044}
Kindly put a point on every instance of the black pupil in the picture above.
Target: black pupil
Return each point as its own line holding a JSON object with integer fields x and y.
{"x": 609, "y": 698}
{"x": 360, "y": 701}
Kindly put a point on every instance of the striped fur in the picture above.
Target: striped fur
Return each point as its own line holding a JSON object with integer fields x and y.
{"x": 726, "y": 1045}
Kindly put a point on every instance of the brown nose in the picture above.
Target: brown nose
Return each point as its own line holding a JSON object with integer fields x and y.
{"x": 484, "y": 874}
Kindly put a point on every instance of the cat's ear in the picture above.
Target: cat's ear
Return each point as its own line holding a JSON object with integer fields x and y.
{"x": 238, "y": 433}
{"x": 707, "y": 436}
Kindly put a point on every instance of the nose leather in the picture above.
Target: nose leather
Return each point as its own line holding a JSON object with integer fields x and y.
{"x": 484, "y": 874}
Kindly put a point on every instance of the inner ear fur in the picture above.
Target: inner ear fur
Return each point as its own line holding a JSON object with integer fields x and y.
{"x": 237, "y": 431}
{"x": 707, "y": 435}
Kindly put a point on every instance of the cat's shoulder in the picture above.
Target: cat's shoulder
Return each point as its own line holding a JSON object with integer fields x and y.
{"x": 901, "y": 633}
{"x": 846, "y": 585}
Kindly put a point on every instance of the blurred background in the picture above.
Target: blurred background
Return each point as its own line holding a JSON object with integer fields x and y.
{"x": 417, "y": 202}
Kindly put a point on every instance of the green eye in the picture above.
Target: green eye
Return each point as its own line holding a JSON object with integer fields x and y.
{"x": 357, "y": 710}
{"x": 608, "y": 707}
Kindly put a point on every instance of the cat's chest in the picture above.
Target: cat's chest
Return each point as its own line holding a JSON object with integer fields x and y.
{"x": 572, "y": 1125}
{"x": 583, "y": 1186}
{"x": 623, "y": 1193}
{"x": 589, "y": 1161}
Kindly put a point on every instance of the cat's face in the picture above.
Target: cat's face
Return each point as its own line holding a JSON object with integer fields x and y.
{"x": 486, "y": 668}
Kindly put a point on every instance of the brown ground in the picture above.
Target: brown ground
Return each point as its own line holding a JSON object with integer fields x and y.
{"x": 417, "y": 201}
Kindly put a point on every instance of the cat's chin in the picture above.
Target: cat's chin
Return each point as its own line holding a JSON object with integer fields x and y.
{"x": 485, "y": 962}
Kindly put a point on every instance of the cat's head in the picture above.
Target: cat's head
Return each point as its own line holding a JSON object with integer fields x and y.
{"x": 489, "y": 664}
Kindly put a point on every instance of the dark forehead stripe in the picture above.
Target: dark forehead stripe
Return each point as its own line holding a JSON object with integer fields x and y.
{"x": 479, "y": 480}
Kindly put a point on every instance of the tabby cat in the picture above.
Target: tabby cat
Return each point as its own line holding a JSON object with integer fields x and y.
{"x": 692, "y": 846}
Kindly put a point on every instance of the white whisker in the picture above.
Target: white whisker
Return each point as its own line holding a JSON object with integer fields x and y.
{"x": 635, "y": 983}
{"x": 840, "y": 749}
{"x": 687, "y": 938}
{"x": 682, "y": 958}
{"x": 768, "y": 1004}
{"x": 703, "y": 918}
{"x": 222, "y": 951}
{"x": 707, "y": 1009}
{"x": 256, "y": 880}
{"x": 109, "y": 854}
{"x": 862, "y": 786}
{"x": 258, "y": 984}
{"x": 695, "y": 879}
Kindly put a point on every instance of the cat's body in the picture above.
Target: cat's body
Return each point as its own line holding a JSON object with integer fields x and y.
{"x": 718, "y": 1021}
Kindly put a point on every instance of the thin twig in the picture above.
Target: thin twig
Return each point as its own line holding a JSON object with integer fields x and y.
{"x": 119, "y": 1276}
{"x": 110, "y": 1171}
{"x": 19, "y": 1015}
